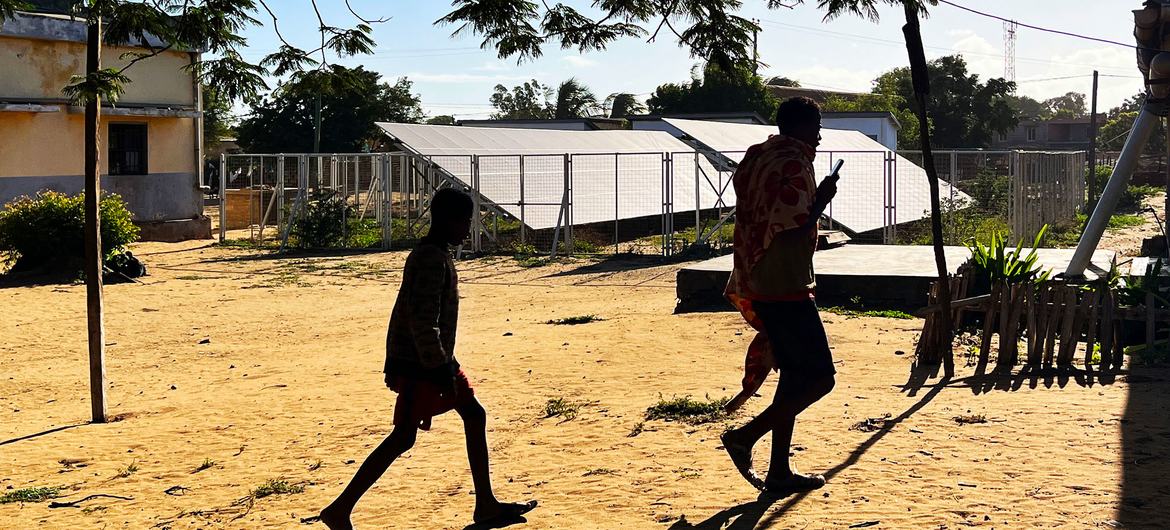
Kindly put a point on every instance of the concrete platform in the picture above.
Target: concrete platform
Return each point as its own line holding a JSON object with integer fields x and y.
{"x": 883, "y": 276}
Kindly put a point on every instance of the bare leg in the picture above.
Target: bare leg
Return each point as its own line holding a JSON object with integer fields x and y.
{"x": 336, "y": 515}
{"x": 487, "y": 507}
{"x": 780, "y": 418}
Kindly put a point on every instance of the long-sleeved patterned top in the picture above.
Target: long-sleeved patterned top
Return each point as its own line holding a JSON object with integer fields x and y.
{"x": 421, "y": 339}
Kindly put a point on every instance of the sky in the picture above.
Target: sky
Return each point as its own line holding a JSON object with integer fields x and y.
{"x": 454, "y": 76}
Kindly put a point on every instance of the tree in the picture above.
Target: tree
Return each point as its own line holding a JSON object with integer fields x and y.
{"x": 210, "y": 25}
{"x": 718, "y": 90}
{"x": 529, "y": 101}
{"x": 1026, "y": 108}
{"x": 441, "y": 120}
{"x": 783, "y": 81}
{"x": 1069, "y": 106}
{"x": 283, "y": 121}
{"x": 623, "y": 104}
{"x": 217, "y": 117}
{"x": 908, "y": 137}
{"x": 969, "y": 113}
{"x": 574, "y": 100}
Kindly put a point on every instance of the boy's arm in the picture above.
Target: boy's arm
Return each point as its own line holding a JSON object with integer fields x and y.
{"x": 426, "y": 294}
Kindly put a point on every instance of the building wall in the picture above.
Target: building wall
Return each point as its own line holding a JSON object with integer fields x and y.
{"x": 40, "y": 151}
{"x": 879, "y": 129}
{"x": 39, "y": 69}
{"x": 45, "y": 150}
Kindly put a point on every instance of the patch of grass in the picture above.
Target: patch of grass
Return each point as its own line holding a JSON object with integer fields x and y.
{"x": 128, "y": 470}
{"x": 575, "y": 320}
{"x": 1126, "y": 221}
{"x": 688, "y": 410}
{"x": 881, "y": 313}
{"x": 38, "y": 494}
{"x": 207, "y": 464}
{"x": 562, "y": 408}
{"x": 532, "y": 262}
{"x": 599, "y": 471}
{"x": 276, "y": 487}
{"x": 246, "y": 244}
{"x": 194, "y": 277}
{"x": 970, "y": 419}
{"x": 639, "y": 428}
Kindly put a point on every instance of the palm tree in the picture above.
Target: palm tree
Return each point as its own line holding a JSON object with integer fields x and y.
{"x": 942, "y": 350}
{"x": 574, "y": 100}
{"x": 623, "y": 104}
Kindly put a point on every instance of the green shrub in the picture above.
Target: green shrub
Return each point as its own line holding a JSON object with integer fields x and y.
{"x": 994, "y": 261}
{"x": 47, "y": 231}
{"x": 1131, "y": 199}
{"x": 322, "y": 223}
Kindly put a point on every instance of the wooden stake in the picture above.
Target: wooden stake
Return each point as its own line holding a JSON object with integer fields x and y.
{"x": 989, "y": 324}
{"x": 1107, "y": 330}
{"x": 1034, "y": 291}
{"x": 1018, "y": 304}
{"x": 93, "y": 236}
{"x": 1055, "y": 310}
{"x": 1094, "y": 299}
{"x": 1068, "y": 341}
{"x": 1005, "y": 313}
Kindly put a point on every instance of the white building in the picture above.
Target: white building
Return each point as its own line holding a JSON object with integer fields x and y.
{"x": 881, "y": 127}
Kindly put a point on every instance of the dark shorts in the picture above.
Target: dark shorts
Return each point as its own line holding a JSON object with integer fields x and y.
{"x": 798, "y": 339}
{"x": 419, "y": 400}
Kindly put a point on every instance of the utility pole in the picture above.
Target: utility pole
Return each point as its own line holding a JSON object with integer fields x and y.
{"x": 756, "y": 47}
{"x": 93, "y": 233}
{"x": 1092, "y": 180}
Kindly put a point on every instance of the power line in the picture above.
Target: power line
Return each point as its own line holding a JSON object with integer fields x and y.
{"x": 1062, "y": 78}
{"x": 901, "y": 44}
{"x": 1039, "y": 28}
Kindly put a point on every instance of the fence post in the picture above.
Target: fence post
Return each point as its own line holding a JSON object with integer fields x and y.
{"x": 569, "y": 205}
{"x": 279, "y": 190}
{"x": 698, "y": 201}
{"x": 523, "y": 227}
{"x": 477, "y": 218}
{"x": 223, "y": 197}
{"x": 616, "y": 192}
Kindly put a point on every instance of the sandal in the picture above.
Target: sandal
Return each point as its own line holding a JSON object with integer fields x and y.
{"x": 795, "y": 483}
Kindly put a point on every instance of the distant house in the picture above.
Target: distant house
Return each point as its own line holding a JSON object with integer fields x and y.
{"x": 1056, "y": 134}
{"x": 881, "y": 127}
{"x": 572, "y": 124}
{"x": 151, "y": 138}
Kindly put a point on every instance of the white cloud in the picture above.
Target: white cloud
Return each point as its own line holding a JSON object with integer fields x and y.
{"x": 498, "y": 66}
{"x": 423, "y": 77}
{"x": 578, "y": 61}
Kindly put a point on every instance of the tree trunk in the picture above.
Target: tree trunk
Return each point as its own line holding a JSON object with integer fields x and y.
{"x": 941, "y": 351}
{"x": 93, "y": 234}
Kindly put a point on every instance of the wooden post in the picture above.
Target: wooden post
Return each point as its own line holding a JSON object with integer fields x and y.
{"x": 93, "y": 233}
{"x": 1034, "y": 291}
{"x": 989, "y": 324}
{"x": 1094, "y": 299}
{"x": 1106, "y": 331}
{"x": 1017, "y": 305}
{"x": 1068, "y": 339}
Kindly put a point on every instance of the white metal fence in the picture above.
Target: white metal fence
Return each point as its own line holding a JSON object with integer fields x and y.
{"x": 654, "y": 202}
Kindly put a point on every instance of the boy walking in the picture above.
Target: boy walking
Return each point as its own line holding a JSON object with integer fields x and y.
{"x": 421, "y": 368}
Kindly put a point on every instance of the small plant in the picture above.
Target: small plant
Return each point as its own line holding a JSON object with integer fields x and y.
{"x": 207, "y": 464}
{"x": 880, "y": 313}
{"x": 871, "y": 424}
{"x": 575, "y": 321}
{"x": 315, "y": 465}
{"x": 639, "y": 428}
{"x": 688, "y": 410}
{"x": 995, "y": 262}
{"x": 322, "y": 223}
{"x": 276, "y": 487}
{"x": 532, "y": 262}
{"x": 127, "y": 471}
{"x": 970, "y": 419}
{"x": 599, "y": 471}
{"x": 523, "y": 249}
{"x": 39, "y": 494}
{"x": 562, "y": 408}
{"x": 46, "y": 232}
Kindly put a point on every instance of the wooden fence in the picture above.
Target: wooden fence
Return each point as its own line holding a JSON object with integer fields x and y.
{"x": 1047, "y": 322}
{"x": 1048, "y": 188}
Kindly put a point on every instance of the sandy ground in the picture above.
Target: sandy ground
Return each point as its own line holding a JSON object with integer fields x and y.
{"x": 1128, "y": 241}
{"x": 270, "y": 369}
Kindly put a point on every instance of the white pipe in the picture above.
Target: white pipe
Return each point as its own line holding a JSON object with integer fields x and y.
{"x": 1126, "y": 163}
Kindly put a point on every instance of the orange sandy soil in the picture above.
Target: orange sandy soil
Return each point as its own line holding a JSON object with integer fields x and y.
{"x": 289, "y": 386}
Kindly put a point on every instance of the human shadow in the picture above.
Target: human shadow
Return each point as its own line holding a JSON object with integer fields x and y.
{"x": 496, "y": 524}
{"x": 1145, "y": 449}
{"x": 40, "y": 434}
{"x": 758, "y": 513}
{"x": 616, "y": 263}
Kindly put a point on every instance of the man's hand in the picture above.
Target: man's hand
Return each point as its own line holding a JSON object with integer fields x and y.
{"x": 827, "y": 190}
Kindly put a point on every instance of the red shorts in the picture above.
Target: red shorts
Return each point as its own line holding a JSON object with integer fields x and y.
{"x": 420, "y": 400}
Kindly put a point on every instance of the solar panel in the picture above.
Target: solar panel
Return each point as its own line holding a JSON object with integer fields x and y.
{"x": 614, "y": 174}
{"x": 866, "y": 181}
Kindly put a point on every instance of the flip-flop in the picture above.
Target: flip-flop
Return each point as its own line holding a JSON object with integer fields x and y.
{"x": 795, "y": 483}
{"x": 509, "y": 513}
{"x": 741, "y": 456}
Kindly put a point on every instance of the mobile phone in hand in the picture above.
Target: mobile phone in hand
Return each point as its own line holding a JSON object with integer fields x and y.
{"x": 835, "y": 175}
